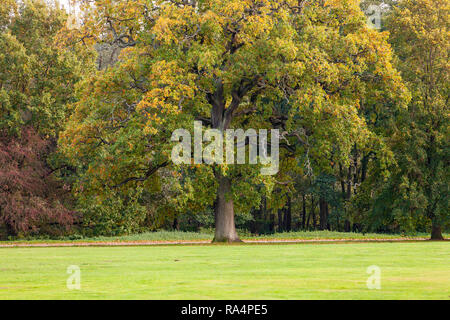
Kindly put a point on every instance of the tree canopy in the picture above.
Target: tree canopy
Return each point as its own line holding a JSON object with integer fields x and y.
{"x": 313, "y": 69}
{"x": 37, "y": 80}
{"x": 361, "y": 112}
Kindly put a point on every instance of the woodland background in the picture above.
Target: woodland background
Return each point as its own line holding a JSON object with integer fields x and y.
{"x": 88, "y": 102}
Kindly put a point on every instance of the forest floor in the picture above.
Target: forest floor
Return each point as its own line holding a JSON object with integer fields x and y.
{"x": 411, "y": 270}
{"x": 206, "y": 236}
{"x": 128, "y": 243}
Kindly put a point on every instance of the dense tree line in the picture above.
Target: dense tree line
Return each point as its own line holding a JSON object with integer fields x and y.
{"x": 37, "y": 81}
{"x": 87, "y": 111}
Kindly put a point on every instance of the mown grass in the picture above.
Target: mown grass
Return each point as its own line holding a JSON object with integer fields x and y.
{"x": 208, "y": 234}
{"x": 418, "y": 270}
{"x": 334, "y": 235}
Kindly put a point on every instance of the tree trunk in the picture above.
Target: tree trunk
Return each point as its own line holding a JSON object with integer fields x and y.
{"x": 10, "y": 231}
{"x": 323, "y": 213}
{"x": 224, "y": 213}
{"x": 272, "y": 223}
{"x": 307, "y": 222}
{"x": 436, "y": 232}
{"x": 254, "y": 229}
{"x": 176, "y": 224}
{"x": 313, "y": 206}
{"x": 347, "y": 226}
{"x": 349, "y": 183}
{"x": 364, "y": 164}
{"x": 304, "y": 212}
{"x": 280, "y": 221}
{"x": 288, "y": 216}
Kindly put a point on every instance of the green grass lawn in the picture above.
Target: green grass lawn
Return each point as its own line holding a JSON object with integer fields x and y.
{"x": 209, "y": 235}
{"x": 300, "y": 271}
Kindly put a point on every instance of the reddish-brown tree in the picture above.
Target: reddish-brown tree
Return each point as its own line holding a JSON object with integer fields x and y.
{"x": 30, "y": 197}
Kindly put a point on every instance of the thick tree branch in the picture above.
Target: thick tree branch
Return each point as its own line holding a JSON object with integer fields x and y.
{"x": 147, "y": 175}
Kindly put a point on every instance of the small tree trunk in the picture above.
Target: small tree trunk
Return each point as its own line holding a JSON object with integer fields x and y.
{"x": 285, "y": 221}
{"x": 349, "y": 183}
{"x": 304, "y": 212}
{"x": 364, "y": 164}
{"x": 272, "y": 223}
{"x": 288, "y": 216}
{"x": 436, "y": 232}
{"x": 347, "y": 226}
{"x": 323, "y": 206}
{"x": 328, "y": 215}
{"x": 307, "y": 222}
{"x": 10, "y": 231}
{"x": 280, "y": 221}
{"x": 254, "y": 224}
{"x": 176, "y": 224}
{"x": 313, "y": 212}
{"x": 224, "y": 213}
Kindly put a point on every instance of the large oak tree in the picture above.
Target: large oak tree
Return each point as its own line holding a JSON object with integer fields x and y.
{"x": 305, "y": 67}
